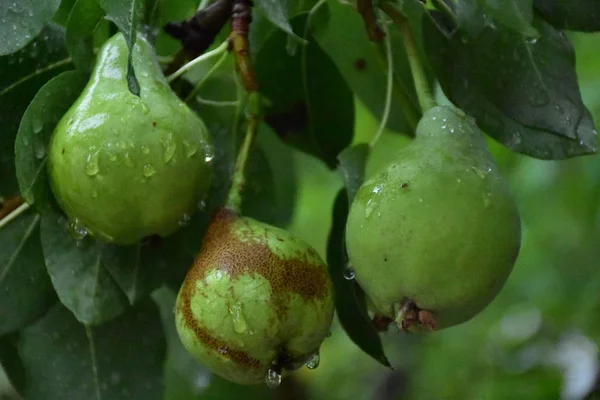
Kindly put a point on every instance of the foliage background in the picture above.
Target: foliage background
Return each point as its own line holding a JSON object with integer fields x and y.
{"x": 537, "y": 340}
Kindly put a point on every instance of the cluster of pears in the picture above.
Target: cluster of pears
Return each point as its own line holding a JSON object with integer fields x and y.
{"x": 256, "y": 303}
{"x": 433, "y": 237}
{"x": 122, "y": 166}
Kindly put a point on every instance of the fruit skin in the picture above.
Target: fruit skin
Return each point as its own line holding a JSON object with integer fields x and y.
{"x": 438, "y": 227}
{"x": 254, "y": 296}
{"x": 124, "y": 166}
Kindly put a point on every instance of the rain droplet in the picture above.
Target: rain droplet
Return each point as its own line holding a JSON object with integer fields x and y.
{"x": 487, "y": 201}
{"x": 185, "y": 219}
{"x": 169, "y": 144}
{"x": 348, "y": 273}
{"x": 77, "y": 229}
{"x": 37, "y": 125}
{"x": 190, "y": 148}
{"x": 39, "y": 148}
{"x": 239, "y": 322}
{"x": 144, "y": 107}
{"x": 148, "y": 170}
{"x": 91, "y": 166}
{"x": 202, "y": 205}
{"x": 112, "y": 156}
{"x": 372, "y": 204}
{"x": 479, "y": 172}
{"x": 128, "y": 160}
{"x": 273, "y": 379}
{"x": 145, "y": 149}
{"x": 313, "y": 361}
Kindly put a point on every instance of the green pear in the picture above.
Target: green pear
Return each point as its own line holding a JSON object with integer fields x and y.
{"x": 433, "y": 237}
{"x": 125, "y": 167}
{"x": 256, "y": 303}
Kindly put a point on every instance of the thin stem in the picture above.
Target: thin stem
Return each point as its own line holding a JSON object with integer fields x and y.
{"x": 234, "y": 197}
{"x": 217, "y": 103}
{"x": 389, "y": 87}
{"x": 213, "y": 53}
{"x": 365, "y": 9}
{"x": 240, "y": 25}
{"x": 426, "y": 100}
{"x": 202, "y": 81}
{"x": 14, "y": 214}
{"x": 446, "y": 8}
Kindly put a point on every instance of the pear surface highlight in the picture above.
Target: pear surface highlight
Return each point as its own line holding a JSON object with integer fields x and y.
{"x": 433, "y": 238}
{"x": 257, "y": 298}
{"x": 126, "y": 167}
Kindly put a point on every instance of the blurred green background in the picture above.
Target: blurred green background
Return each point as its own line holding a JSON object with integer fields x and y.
{"x": 537, "y": 340}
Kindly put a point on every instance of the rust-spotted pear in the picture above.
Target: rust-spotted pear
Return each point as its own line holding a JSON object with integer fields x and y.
{"x": 256, "y": 303}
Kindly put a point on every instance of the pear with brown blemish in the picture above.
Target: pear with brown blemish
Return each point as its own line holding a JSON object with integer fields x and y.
{"x": 257, "y": 301}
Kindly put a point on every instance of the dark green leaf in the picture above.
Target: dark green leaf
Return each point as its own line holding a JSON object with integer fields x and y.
{"x": 141, "y": 268}
{"x": 575, "y": 15}
{"x": 523, "y": 92}
{"x": 262, "y": 27}
{"x": 350, "y": 302}
{"x": 21, "y": 21}
{"x": 21, "y": 75}
{"x": 38, "y": 122}
{"x": 122, "y": 359}
{"x": 11, "y": 362}
{"x": 363, "y": 66}
{"x": 78, "y": 272}
{"x": 25, "y": 288}
{"x": 83, "y": 20}
{"x": 127, "y": 15}
{"x": 278, "y": 14}
{"x": 516, "y": 15}
{"x": 310, "y": 105}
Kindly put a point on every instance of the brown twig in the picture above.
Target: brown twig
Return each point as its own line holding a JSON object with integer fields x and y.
{"x": 366, "y": 10}
{"x": 10, "y": 205}
{"x": 240, "y": 25}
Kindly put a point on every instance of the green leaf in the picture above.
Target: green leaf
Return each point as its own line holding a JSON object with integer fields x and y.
{"x": 141, "y": 268}
{"x": 522, "y": 91}
{"x": 11, "y": 362}
{"x": 278, "y": 14}
{"x": 516, "y": 15}
{"x": 21, "y": 21}
{"x": 21, "y": 76}
{"x": 83, "y": 20}
{"x": 122, "y": 359}
{"x": 127, "y": 15}
{"x": 79, "y": 274}
{"x": 310, "y": 105}
{"x": 38, "y": 122}
{"x": 363, "y": 66}
{"x": 25, "y": 288}
{"x": 350, "y": 302}
{"x": 575, "y": 15}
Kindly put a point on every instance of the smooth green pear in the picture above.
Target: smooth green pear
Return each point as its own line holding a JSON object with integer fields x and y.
{"x": 256, "y": 303}
{"x": 125, "y": 167}
{"x": 433, "y": 237}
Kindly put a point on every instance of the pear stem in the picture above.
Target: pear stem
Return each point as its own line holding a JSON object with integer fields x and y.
{"x": 206, "y": 56}
{"x": 240, "y": 24}
{"x": 426, "y": 100}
